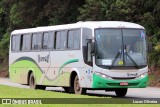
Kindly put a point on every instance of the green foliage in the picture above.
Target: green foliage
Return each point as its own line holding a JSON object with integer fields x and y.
{"x": 15, "y": 16}
{"x": 4, "y": 46}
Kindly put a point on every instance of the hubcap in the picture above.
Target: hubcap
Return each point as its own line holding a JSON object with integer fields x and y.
{"x": 77, "y": 85}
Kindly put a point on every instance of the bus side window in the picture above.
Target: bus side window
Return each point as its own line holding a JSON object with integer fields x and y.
{"x": 73, "y": 39}
{"x": 48, "y": 40}
{"x": 51, "y": 40}
{"x": 77, "y": 39}
{"x": 13, "y": 43}
{"x": 26, "y": 42}
{"x": 70, "y": 42}
{"x": 58, "y": 40}
{"x": 45, "y": 40}
{"x": 39, "y": 41}
{"x": 16, "y": 43}
{"x": 34, "y": 42}
{"x": 63, "y": 40}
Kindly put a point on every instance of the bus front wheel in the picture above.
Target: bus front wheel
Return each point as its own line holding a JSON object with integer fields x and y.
{"x": 77, "y": 88}
{"x": 121, "y": 92}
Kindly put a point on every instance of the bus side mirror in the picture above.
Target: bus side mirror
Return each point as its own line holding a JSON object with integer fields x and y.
{"x": 150, "y": 47}
{"x": 89, "y": 52}
{"x": 93, "y": 48}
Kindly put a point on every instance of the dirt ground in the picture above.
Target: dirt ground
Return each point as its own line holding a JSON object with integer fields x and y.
{"x": 4, "y": 74}
{"x": 154, "y": 77}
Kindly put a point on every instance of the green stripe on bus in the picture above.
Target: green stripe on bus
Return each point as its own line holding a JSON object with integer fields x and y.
{"x": 66, "y": 63}
{"x": 99, "y": 82}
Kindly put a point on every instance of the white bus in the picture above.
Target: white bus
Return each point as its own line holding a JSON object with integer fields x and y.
{"x": 93, "y": 55}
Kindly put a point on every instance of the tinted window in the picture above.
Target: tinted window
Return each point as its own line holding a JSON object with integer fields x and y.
{"x": 73, "y": 39}
{"x": 48, "y": 40}
{"x": 34, "y": 42}
{"x": 51, "y": 40}
{"x": 16, "y": 42}
{"x": 26, "y": 45}
{"x": 13, "y": 43}
{"x": 61, "y": 39}
{"x": 37, "y": 41}
{"x": 45, "y": 40}
{"x": 77, "y": 39}
{"x": 70, "y": 40}
{"x": 58, "y": 39}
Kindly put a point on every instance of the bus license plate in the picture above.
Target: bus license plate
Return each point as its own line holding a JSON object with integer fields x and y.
{"x": 123, "y": 83}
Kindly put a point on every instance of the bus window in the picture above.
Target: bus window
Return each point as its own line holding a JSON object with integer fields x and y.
{"x": 77, "y": 39}
{"x": 26, "y": 45}
{"x": 61, "y": 39}
{"x": 45, "y": 40}
{"x": 37, "y": 41}
{"x": 16, "y": 43}
{"x": 73, "y": 39}
{"x": 13, "y": 43}
{"x": 48, "y": 40}
{"x": 58, "y": 39}
{"x": 51, "y": 40}
{"x": 70, "y": 40}
{"x": 34, "y": 42}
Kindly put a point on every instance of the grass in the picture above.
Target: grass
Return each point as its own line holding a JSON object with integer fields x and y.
{"x": 12, "y": 92}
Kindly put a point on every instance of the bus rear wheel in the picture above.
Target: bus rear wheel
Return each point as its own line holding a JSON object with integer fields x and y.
{"x": 121, "y": 92}
{"x": 77, "y": 88}
{"x": 33, "y": 85}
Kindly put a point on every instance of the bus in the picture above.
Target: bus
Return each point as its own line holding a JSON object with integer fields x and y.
{"x": 91, "y": 55}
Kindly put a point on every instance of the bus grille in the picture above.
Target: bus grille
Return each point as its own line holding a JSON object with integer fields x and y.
{"x": 117, "y": 78}
{"x": 118, "y": 84}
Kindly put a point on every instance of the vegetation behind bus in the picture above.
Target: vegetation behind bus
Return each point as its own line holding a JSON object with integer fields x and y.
{"x": 24, "y": 14}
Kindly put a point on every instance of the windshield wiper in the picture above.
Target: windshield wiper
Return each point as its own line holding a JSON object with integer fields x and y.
{"x": 115, "y": 59}
{"x": 136, "y": 65}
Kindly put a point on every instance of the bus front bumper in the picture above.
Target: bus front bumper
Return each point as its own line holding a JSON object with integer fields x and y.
{"x": 99, "y": 82}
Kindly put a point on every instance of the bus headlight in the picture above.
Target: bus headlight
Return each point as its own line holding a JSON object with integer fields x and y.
{"x": 103, "y": 75}
{"x": 142, "y": 75}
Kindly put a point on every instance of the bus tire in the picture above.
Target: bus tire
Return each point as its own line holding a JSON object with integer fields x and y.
{"x": 121, "y": 92}
{"x": 32, "y": 82}
{"x": 77, "y": 88}
{"x": 68, "y": 89}
{"x": 33, "y": 85}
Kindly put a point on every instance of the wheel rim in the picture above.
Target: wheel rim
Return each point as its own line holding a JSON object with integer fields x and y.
{"x": 77, "y": 85}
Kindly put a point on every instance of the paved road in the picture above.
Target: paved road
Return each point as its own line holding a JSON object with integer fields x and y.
{"x": 132, "y": 92}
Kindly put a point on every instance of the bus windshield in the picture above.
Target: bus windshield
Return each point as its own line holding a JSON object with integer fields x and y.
{"x": 120, "y": 47}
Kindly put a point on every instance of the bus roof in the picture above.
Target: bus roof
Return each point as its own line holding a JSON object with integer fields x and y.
{"x": 87, "y": 24}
